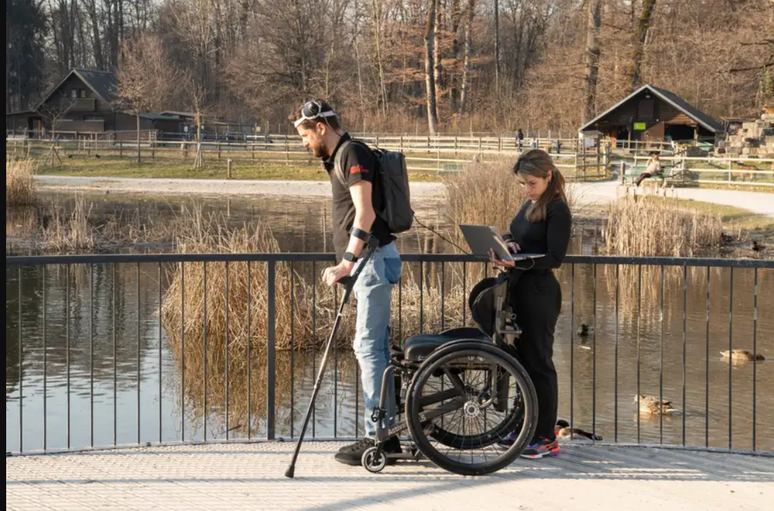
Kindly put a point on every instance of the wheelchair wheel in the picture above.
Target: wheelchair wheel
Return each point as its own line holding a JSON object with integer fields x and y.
{"x": 453, "y": 413}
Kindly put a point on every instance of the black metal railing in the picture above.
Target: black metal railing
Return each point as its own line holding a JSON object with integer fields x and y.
{"x": 638, "y": 328}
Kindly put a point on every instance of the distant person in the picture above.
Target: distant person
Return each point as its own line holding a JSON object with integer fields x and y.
{"x": 520, "y": 139}
{"x": 653, "y": 169}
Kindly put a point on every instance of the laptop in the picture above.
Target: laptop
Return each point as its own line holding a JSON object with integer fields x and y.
{"x": 482, "y": 238}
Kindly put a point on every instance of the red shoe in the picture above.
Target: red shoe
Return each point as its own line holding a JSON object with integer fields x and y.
{"x": 542, "y": 449}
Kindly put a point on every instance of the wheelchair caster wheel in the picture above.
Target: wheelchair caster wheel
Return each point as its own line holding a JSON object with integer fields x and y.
{"x": 372, "y": 462}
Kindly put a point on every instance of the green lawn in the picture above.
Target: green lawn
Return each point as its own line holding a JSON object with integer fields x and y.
{"x": 214, "y": 169}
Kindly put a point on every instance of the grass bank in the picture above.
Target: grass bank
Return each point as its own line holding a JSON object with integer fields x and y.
{"x": 213, "y": 169}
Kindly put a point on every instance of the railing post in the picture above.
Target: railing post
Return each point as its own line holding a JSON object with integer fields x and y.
{"x": 270, "y": 354}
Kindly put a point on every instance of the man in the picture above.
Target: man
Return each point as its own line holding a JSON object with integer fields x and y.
{"x": 355, "y": 203}
{"x": 520, "y": 139}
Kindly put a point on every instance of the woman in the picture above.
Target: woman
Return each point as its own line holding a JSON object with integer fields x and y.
{"x": 542, "y": 226}
{"x": 653, "y": 169}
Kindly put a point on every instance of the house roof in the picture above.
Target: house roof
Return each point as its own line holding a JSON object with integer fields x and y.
{"x": 158, "y": 117}
{"x": 178, "y": 114}
{"x": 103, "y": 84}
{"x": 20, "y": 112}
{"x": 670, "y": 97}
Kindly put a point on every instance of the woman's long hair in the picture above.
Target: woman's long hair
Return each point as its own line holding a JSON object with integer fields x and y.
{"x": 538, "y": 163}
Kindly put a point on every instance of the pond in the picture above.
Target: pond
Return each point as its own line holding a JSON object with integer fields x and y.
{"x": 130, "y": 380}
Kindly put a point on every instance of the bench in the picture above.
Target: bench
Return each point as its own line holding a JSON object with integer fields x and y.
{"x": 669, "y": 174}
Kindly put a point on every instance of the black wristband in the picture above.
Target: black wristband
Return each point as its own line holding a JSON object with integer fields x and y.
{"x": 349, "y": 256}
{"x": 361, "y": 234}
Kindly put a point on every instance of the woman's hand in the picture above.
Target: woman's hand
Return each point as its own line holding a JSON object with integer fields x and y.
{"x": 513, "y": 247}
{"x": 495, "y": 260}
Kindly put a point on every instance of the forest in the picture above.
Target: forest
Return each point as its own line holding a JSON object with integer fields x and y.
{"x": 452, "y": 66}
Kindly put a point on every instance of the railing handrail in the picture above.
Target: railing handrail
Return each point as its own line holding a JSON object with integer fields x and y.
{"x": 37, "y": 260}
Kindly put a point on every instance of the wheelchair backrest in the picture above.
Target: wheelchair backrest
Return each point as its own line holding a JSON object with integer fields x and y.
{"x": 486, "y": 299}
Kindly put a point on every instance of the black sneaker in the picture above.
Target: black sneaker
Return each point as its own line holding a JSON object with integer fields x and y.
{"x": 352, "y": 454}
{"x": 360, "y": 445}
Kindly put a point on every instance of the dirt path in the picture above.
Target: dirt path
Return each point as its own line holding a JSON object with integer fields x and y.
{"x": 587, "y": 193}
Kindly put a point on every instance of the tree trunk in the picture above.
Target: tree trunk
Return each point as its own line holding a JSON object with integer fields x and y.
{"x": 453, "y": 77}
{"x": 465, "y": 93}
{"x": 139, "y": 153}
{"x": 497, "y": 44}
{"x": 592, "y": 59}
{"x": 437, "y": 64}
{"x": 432, "y": 107}
{"x": 378, "y": 41}
{"x": 640, "y": 34}
{"x": 97, "y": 43}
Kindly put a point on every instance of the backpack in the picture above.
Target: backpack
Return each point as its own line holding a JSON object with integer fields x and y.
{"x": 393, "y": 177}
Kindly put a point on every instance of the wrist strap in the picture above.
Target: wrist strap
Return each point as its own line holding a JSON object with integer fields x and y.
{"x": 361, "y": 234}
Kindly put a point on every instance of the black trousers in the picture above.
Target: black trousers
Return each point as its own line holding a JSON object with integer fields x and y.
{"x": 537, "y": 301}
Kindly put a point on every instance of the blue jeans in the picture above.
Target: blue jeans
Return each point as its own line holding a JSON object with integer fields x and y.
{"x": 373, "y": 292}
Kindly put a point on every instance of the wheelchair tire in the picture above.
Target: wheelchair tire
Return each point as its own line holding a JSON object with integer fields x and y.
{"x": 469, "y": 444}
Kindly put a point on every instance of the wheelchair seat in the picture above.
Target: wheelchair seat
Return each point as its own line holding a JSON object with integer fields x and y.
{"x": 418, "y": 347}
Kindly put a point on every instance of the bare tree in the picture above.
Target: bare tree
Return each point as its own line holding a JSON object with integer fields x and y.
{"x": 143, "y": 80}
{"x": 497, "y": 43}
{"x": 52, "y": 112}
{"x": 592, "y": 58}
{"x": 432, "y": 107}
{"x": 197, "y": 95}
{"x": 640, "y": 35}
{"x": 466, "y": 78}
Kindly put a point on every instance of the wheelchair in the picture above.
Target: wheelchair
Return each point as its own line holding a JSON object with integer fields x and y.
{"x": 460, "y": 393}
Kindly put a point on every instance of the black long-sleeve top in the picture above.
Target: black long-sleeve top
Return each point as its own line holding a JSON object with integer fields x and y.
{"x": 550, "y": 236}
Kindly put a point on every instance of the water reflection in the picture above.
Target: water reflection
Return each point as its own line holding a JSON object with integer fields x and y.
{"x": 140, "y": 388}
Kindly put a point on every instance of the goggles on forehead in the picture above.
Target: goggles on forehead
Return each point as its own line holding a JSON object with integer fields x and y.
{"x": 312, "y": 110}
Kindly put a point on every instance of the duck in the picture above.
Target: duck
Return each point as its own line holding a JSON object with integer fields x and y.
{"x": 654, "y": 405}
{"x": 742, "y": 356}
{"x": 564, "y": 432}
{"x": 757, "y": 247}
{"x": 584, "y": 330}
{"x": 727, "y": 238}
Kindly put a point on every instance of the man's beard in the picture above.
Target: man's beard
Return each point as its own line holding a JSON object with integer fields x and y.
{"x": 320, "y": 152}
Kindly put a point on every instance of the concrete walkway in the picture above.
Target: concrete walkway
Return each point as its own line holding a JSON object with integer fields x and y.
{"x": 250, "y": 476}
{"x": 588, "y": 193}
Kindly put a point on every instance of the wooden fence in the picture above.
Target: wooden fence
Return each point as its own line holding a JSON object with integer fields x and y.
{"x": 423, "y": 153}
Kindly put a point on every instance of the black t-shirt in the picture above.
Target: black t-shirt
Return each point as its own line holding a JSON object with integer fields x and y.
{"x": 550, "y": 236}
{"x": 358, "y": 164}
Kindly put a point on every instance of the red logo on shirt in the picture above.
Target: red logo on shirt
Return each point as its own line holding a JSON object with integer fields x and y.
{"x": 358, "y": 169}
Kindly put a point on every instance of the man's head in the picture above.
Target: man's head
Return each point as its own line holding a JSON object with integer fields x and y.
{"x": 318, "y": 126}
